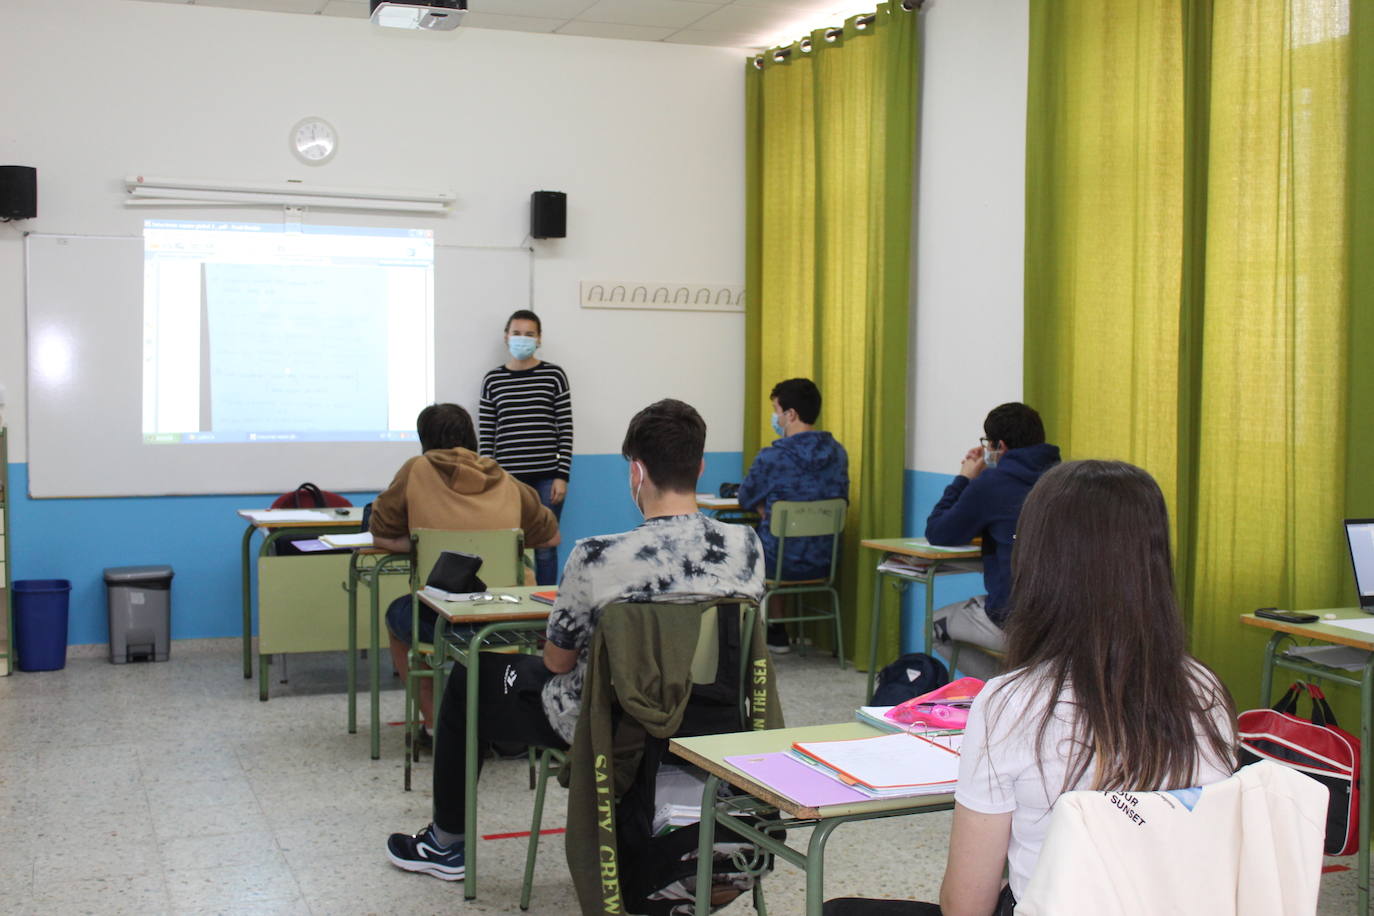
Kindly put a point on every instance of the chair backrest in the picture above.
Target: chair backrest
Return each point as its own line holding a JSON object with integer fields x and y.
{"x": 501, "y": 550}
{"x": 721, "y": 638}
{"x": 817, "y": 518}
{"x": 1251, "y": 843}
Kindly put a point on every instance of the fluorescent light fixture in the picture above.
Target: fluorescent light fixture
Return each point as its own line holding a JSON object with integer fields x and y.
{"x": 435, "y": 16}
{"x": 171, "y": 192}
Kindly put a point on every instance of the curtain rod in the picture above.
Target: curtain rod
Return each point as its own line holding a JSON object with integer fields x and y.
{"x": 860, "y": 22}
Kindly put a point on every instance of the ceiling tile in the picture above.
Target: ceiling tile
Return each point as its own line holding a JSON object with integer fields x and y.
{"x": 673, "y": 14}
{"x": 350, "y": 9}
{"x": 274, "y": 6}
{"x": 477, "y": 20}
{"x": 747, "y": 40}
{"x": 548, "y": 9}
{"x": 746, "y": 19}
{"x": 803, "y": 5}
{"x": 615, "y": 30}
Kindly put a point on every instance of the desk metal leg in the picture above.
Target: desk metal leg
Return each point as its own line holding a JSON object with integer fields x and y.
{"x": 706, "y": 840}
{"x": 873, "y": 634}
{"x": 353, "y": 644}
{"x": 374, "y": 663}
{"x": 815, "y": 866}
{"x": 1366, "y": 775}
{"x": 470, "y": 787}
{"x": 1267, "y": 671}
{"x": 929, "y": 581}
{"x": 245, "y": 567}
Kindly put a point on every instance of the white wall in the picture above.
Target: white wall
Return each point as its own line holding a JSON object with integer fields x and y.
{"x": 970, "y": 221}
{"x": 646, "y": 138}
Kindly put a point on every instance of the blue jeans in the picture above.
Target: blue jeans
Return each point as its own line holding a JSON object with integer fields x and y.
{"x": 546, "y": 558}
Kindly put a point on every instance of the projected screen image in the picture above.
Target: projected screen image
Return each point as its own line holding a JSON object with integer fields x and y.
{"x": 270, "y": 333}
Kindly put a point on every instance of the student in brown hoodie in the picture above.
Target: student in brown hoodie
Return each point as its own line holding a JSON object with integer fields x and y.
{"x": 449, "y": 486}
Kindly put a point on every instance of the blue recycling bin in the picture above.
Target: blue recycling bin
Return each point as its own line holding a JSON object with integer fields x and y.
{"x": 40, "y": 623}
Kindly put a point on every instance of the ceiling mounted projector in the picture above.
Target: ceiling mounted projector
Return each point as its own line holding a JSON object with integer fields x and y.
{"x": 434, "y": 15}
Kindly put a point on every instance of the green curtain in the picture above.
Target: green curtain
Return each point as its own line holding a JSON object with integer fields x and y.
{"x": 1195, "y": 301}
{"x": 830, "y": 140}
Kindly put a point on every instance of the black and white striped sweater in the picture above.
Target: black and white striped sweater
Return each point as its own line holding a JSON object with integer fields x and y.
{"x": 525, "y": 421}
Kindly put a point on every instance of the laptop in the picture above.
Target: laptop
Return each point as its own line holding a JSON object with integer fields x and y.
{"x": 1359, "y": 532}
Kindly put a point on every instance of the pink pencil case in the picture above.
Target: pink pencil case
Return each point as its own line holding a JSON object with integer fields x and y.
{"x": 944, "y": 707}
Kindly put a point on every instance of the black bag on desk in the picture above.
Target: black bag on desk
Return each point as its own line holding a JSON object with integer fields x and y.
{"x": 456, "y": 572}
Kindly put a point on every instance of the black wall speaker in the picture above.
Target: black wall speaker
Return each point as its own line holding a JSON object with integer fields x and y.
{"x": 18, "y": 192}
{"x": 549, "y": 214}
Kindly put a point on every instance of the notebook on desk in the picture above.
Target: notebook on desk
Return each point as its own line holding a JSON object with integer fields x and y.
{"x": 1359, "y": 535}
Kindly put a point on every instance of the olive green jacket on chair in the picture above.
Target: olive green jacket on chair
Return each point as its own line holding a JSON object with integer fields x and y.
{"x": 641, "y": 661}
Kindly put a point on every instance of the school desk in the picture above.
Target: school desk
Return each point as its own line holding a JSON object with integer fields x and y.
{"x": 301, "y": 600}
{"x": 938, "y": 561}
{"x": 709, "y": 753}
{"x": 726, "y": 509}
{"x": 1324, "y": 630}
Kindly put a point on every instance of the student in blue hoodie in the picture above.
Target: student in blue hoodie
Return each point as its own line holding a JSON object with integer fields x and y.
{"x": 985, "y": 501}
{"x": 805, "y": 464}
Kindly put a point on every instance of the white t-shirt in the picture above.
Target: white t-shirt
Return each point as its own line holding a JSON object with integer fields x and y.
{"x": 1000, "y": 772}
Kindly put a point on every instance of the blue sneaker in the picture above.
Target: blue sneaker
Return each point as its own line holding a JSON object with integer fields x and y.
{"x": 423, "y": 853}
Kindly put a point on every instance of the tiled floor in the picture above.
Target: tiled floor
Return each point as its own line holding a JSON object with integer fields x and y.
{"x": 168, "y": 788}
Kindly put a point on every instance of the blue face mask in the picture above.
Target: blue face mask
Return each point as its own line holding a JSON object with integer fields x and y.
{"x": 522, "y": 347}
{"x": 777, "y": 425}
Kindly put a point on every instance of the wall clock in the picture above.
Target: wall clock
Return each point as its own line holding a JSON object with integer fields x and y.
{"x": 314, "y": 141}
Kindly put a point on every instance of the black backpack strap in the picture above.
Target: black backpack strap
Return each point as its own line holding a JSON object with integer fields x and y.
{"x": 316, "y": 496}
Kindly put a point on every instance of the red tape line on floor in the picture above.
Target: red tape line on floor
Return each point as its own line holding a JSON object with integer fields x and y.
{"x": 1328, "y": 869}
{"x": 520, "y": 833}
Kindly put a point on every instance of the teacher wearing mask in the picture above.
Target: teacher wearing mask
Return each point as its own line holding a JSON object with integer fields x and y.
{"x": 525, "y": 423}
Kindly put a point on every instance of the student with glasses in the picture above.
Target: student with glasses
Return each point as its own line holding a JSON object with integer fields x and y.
{"x": 984, "y": 501}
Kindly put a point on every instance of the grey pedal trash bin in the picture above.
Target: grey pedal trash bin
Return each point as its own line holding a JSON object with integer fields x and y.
{"x": 140, "y": 603}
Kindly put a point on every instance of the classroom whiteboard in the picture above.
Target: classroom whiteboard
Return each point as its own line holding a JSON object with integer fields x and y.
{"x": 84, "y": 298}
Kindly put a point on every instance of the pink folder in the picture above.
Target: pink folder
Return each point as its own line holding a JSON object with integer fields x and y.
{"x": 794, "y": 779}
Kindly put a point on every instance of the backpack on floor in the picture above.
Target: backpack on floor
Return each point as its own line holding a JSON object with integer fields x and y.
{"x": 907, "y": 678}
{"x": 1315, "y": 746}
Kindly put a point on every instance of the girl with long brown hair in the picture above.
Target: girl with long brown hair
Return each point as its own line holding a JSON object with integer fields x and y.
{"x": 1100, "y": 693}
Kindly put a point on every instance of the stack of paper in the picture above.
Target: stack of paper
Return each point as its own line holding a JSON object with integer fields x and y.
{"x": 361, "y": 539}
{"x": 923, "y": 544}
{"x": 903, "y": 564}
{"x": 290, "y": 515}
{"x": 877, "y": 717}
{"x": 677, "y": 797}
{"x": 887, "y": 766}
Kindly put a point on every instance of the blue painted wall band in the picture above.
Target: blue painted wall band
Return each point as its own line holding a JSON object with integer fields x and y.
{"x": 198, "y": 536}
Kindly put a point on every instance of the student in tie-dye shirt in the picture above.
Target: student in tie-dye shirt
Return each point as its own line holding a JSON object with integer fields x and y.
{"x": 677, "y": 555}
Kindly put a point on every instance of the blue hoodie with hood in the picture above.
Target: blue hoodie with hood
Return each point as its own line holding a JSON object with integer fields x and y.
{"x": 988, "y": 506}
{"x": 802, "y": 467}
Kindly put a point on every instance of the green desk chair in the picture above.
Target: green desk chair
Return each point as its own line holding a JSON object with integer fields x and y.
{"x": 502, "y": 552}
{"x": 705, "y": 670}
{"x": 818, "y": 518}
